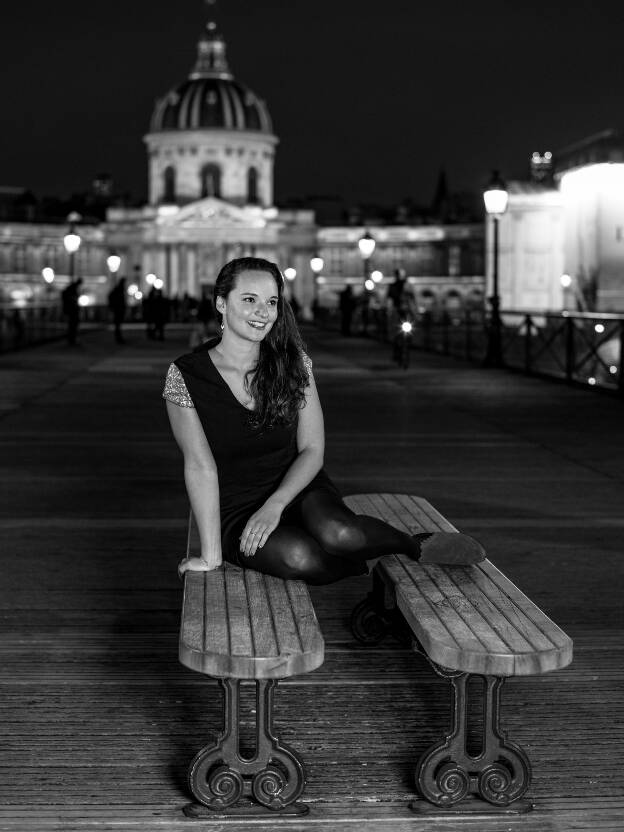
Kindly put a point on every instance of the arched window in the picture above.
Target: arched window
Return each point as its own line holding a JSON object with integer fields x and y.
{"x": 169, "y": 183}
{"x": 252, "y": 186}
{"x": 210, "y": 181}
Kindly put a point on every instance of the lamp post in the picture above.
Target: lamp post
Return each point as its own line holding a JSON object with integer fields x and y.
{"x": 72, "y": 241}
{"x": 316, "y": 264}
{"x": 366, "y": 244}
{"x": 495, "y": 198}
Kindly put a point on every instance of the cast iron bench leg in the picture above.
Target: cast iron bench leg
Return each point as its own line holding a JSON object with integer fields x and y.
{"x": 216, "y": 775}
{"x": 500, "y": 773}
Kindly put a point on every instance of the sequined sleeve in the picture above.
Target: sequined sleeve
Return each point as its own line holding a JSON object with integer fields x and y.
{"x": 175, "y": 389}
{"x": 307, "y": 361}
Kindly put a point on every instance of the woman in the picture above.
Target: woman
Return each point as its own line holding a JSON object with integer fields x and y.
{"x": 246, "y": 414}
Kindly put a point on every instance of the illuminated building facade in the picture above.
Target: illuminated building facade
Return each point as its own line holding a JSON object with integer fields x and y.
{"x": 443, "y": 263}
{"x": 570, "y": 222}
{"x": 210, "y": 156}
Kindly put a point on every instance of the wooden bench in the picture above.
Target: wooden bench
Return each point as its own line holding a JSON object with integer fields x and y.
{"x": 468, "y": 622}
{"x": 240, "y": 625}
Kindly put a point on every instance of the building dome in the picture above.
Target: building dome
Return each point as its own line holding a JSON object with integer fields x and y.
{"x": 210, "y": 98}
{"x": 211, "y": 136}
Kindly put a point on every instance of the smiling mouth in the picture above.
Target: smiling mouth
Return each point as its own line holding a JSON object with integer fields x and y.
{"x": 256, "y": 324}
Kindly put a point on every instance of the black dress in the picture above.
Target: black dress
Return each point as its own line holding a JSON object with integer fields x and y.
{"x": 251, "y": 462}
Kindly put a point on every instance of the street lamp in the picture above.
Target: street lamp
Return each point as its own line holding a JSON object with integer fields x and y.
{"x": 366, "y": 244}
{"x": 72, "y": 241}
{"x": 48, "y": 275}
{"x": 495, "y": 198}
{"x": 113, "y": 261}
{"x": 316, "y": 264}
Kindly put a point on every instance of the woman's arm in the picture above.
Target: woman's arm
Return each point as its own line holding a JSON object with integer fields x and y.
{"x": 309, "y": 461}
{"x": 202, "y": 485}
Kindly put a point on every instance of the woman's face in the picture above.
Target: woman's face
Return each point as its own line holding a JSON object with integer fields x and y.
{"x": 250, "y": 310}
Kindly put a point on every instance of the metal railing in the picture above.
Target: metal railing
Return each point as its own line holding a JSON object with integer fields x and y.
{"x": 584, "y": 348}
{"x": 25, "y": 326}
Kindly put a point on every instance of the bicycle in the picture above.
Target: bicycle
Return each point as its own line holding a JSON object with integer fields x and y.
{"x": 401, "y": 344}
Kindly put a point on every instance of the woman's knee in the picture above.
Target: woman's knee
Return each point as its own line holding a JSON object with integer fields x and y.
{"x": 340, "y": 535}
{"x": 293, "y": 557}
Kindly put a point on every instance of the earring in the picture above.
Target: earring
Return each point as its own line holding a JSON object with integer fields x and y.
{"x": 222, "y": 326}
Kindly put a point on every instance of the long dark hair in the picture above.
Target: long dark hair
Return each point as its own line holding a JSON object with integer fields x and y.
{"x": 278, "y": 381}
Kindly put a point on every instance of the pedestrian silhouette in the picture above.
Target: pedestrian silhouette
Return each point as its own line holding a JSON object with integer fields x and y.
{"x": 117, "y": 305}
{"x": 71, "y": 309}
{"x": 347, "y": 305}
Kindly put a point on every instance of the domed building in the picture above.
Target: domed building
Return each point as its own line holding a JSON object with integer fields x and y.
{"x": 211, "y": 149}
{"x": 211, "y": 136}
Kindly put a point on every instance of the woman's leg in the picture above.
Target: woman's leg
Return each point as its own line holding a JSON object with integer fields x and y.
{"x": 290, "y": 552}
{"x": 344, "y": 533}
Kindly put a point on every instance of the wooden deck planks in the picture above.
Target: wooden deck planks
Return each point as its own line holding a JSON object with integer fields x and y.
{"x": 99, "y": 719}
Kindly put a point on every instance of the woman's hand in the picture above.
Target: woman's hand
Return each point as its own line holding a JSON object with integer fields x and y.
{"x": 198, "y": 565}
{"x": 259, "y": 527}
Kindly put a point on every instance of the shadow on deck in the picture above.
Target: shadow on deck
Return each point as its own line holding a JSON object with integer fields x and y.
{"x": 101, "y": 721}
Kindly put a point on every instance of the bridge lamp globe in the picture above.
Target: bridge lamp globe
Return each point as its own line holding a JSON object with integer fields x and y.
{"x": 496, "y": 196}
{"x": 366, "y": 244}
{"x": 316, "y": 264}
{"x": 369, "y": 285}
{"x": 150, "y": 279}
{"x": 113, "y": 261}
{"x": 48, "y": 275}
{"x": 159, "y": 283}
{"x": 377, "y": 276}
{"x": 290, "y": 273}
{"x": 72, "y": 241}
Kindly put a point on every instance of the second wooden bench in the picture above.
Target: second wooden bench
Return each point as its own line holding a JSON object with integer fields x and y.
{"x": 468, "y": 622}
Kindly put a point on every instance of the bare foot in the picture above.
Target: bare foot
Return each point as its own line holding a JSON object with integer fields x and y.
{"x": 449, "y": 549}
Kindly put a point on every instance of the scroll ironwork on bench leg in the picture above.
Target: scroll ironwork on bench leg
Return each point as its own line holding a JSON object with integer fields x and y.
{"x": 218, "y": 772}
{"x": 500, "y": 773}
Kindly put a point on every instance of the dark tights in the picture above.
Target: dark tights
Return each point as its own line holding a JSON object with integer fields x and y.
{"x": 320, "y": 541}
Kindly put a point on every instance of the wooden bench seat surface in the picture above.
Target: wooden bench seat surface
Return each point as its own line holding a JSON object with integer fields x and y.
{"x": 238, "y": 623}
{"x": 473, "y": 618}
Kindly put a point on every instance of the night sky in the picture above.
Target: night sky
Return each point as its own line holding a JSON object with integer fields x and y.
{"x": 369, "y": 99}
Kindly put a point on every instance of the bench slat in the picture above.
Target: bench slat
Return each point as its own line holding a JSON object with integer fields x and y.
{"x": 288, "y": 634}
{"x": 239, "y": 622}
{"x": 262, "y": 627}
{"x": 192, "y": 630}
{"x": 472, "y": 619}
